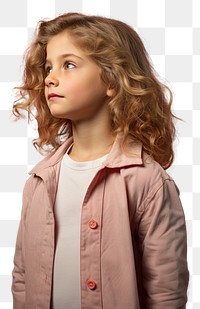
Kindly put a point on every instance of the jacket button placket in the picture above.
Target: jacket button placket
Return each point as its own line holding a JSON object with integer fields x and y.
{"x": 90, "y": 249}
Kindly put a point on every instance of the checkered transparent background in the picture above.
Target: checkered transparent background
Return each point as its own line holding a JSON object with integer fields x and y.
{"x": 171, "y": 33}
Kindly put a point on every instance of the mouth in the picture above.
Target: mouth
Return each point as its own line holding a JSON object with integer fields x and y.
{"x": 52, "y": 96}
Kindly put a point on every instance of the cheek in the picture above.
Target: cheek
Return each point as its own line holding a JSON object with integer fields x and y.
{"x": 74, "y": 84}
{"x": 87, "y": 87}
{"x": 79, "y": 88}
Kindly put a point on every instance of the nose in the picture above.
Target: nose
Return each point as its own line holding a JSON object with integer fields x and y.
{"x": 51, "y": 80}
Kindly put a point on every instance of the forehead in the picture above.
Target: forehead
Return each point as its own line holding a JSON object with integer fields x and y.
{"x": 63, "y": 43}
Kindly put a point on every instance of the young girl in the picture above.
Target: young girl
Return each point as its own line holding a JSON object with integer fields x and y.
{"x": 102, "y": 225}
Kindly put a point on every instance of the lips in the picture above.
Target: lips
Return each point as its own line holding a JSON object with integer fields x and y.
{"x": 54, "y": 96}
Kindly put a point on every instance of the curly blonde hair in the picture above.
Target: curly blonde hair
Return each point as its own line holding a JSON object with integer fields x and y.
{"x": 141, "y": 106}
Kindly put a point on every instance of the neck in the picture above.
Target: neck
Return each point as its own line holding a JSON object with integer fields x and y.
{"x": 91, "y": 140}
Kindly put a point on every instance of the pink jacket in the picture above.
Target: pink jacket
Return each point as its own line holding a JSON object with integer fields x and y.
{"x": 133, "y": 236}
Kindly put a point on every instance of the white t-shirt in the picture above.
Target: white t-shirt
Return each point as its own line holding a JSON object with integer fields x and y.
{"x": 74, "y": 180}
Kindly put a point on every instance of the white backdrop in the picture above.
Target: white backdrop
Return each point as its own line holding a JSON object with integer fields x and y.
{"x": 171, "y": 33}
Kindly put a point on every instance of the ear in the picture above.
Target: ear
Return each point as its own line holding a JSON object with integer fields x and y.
{"x": 110, "y": 92}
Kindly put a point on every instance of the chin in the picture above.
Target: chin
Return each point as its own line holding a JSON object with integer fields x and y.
{"x": 56, "y": 112}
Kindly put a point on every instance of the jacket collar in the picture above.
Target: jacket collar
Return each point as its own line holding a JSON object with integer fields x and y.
{"x": 53, "y": 158}
{"x": 115, "y": 159}
{"x": 131, "y": 155}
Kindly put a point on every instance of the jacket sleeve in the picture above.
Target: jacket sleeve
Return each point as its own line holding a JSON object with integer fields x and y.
{"x": 18, "y": 274}
{"x": 18, "y": 283}
{"x": 162, "y": 236}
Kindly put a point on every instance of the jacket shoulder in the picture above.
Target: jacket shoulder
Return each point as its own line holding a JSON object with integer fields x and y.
{"x": 146, "y": 181}
{"x": 150, "y": 173}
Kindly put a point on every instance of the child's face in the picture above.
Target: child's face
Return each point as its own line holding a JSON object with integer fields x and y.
{"x": 73, "y": 86}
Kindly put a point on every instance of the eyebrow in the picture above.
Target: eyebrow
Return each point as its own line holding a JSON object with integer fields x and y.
{"x": 65, "y": 56}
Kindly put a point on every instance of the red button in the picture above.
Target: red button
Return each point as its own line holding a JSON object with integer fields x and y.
{"x": 93, "y": 224}
{"x": 91, "y": 284}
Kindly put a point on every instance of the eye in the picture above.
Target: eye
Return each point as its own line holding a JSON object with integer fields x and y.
{"x": 69, "y": 65}
{"x": 48, "y": 70}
